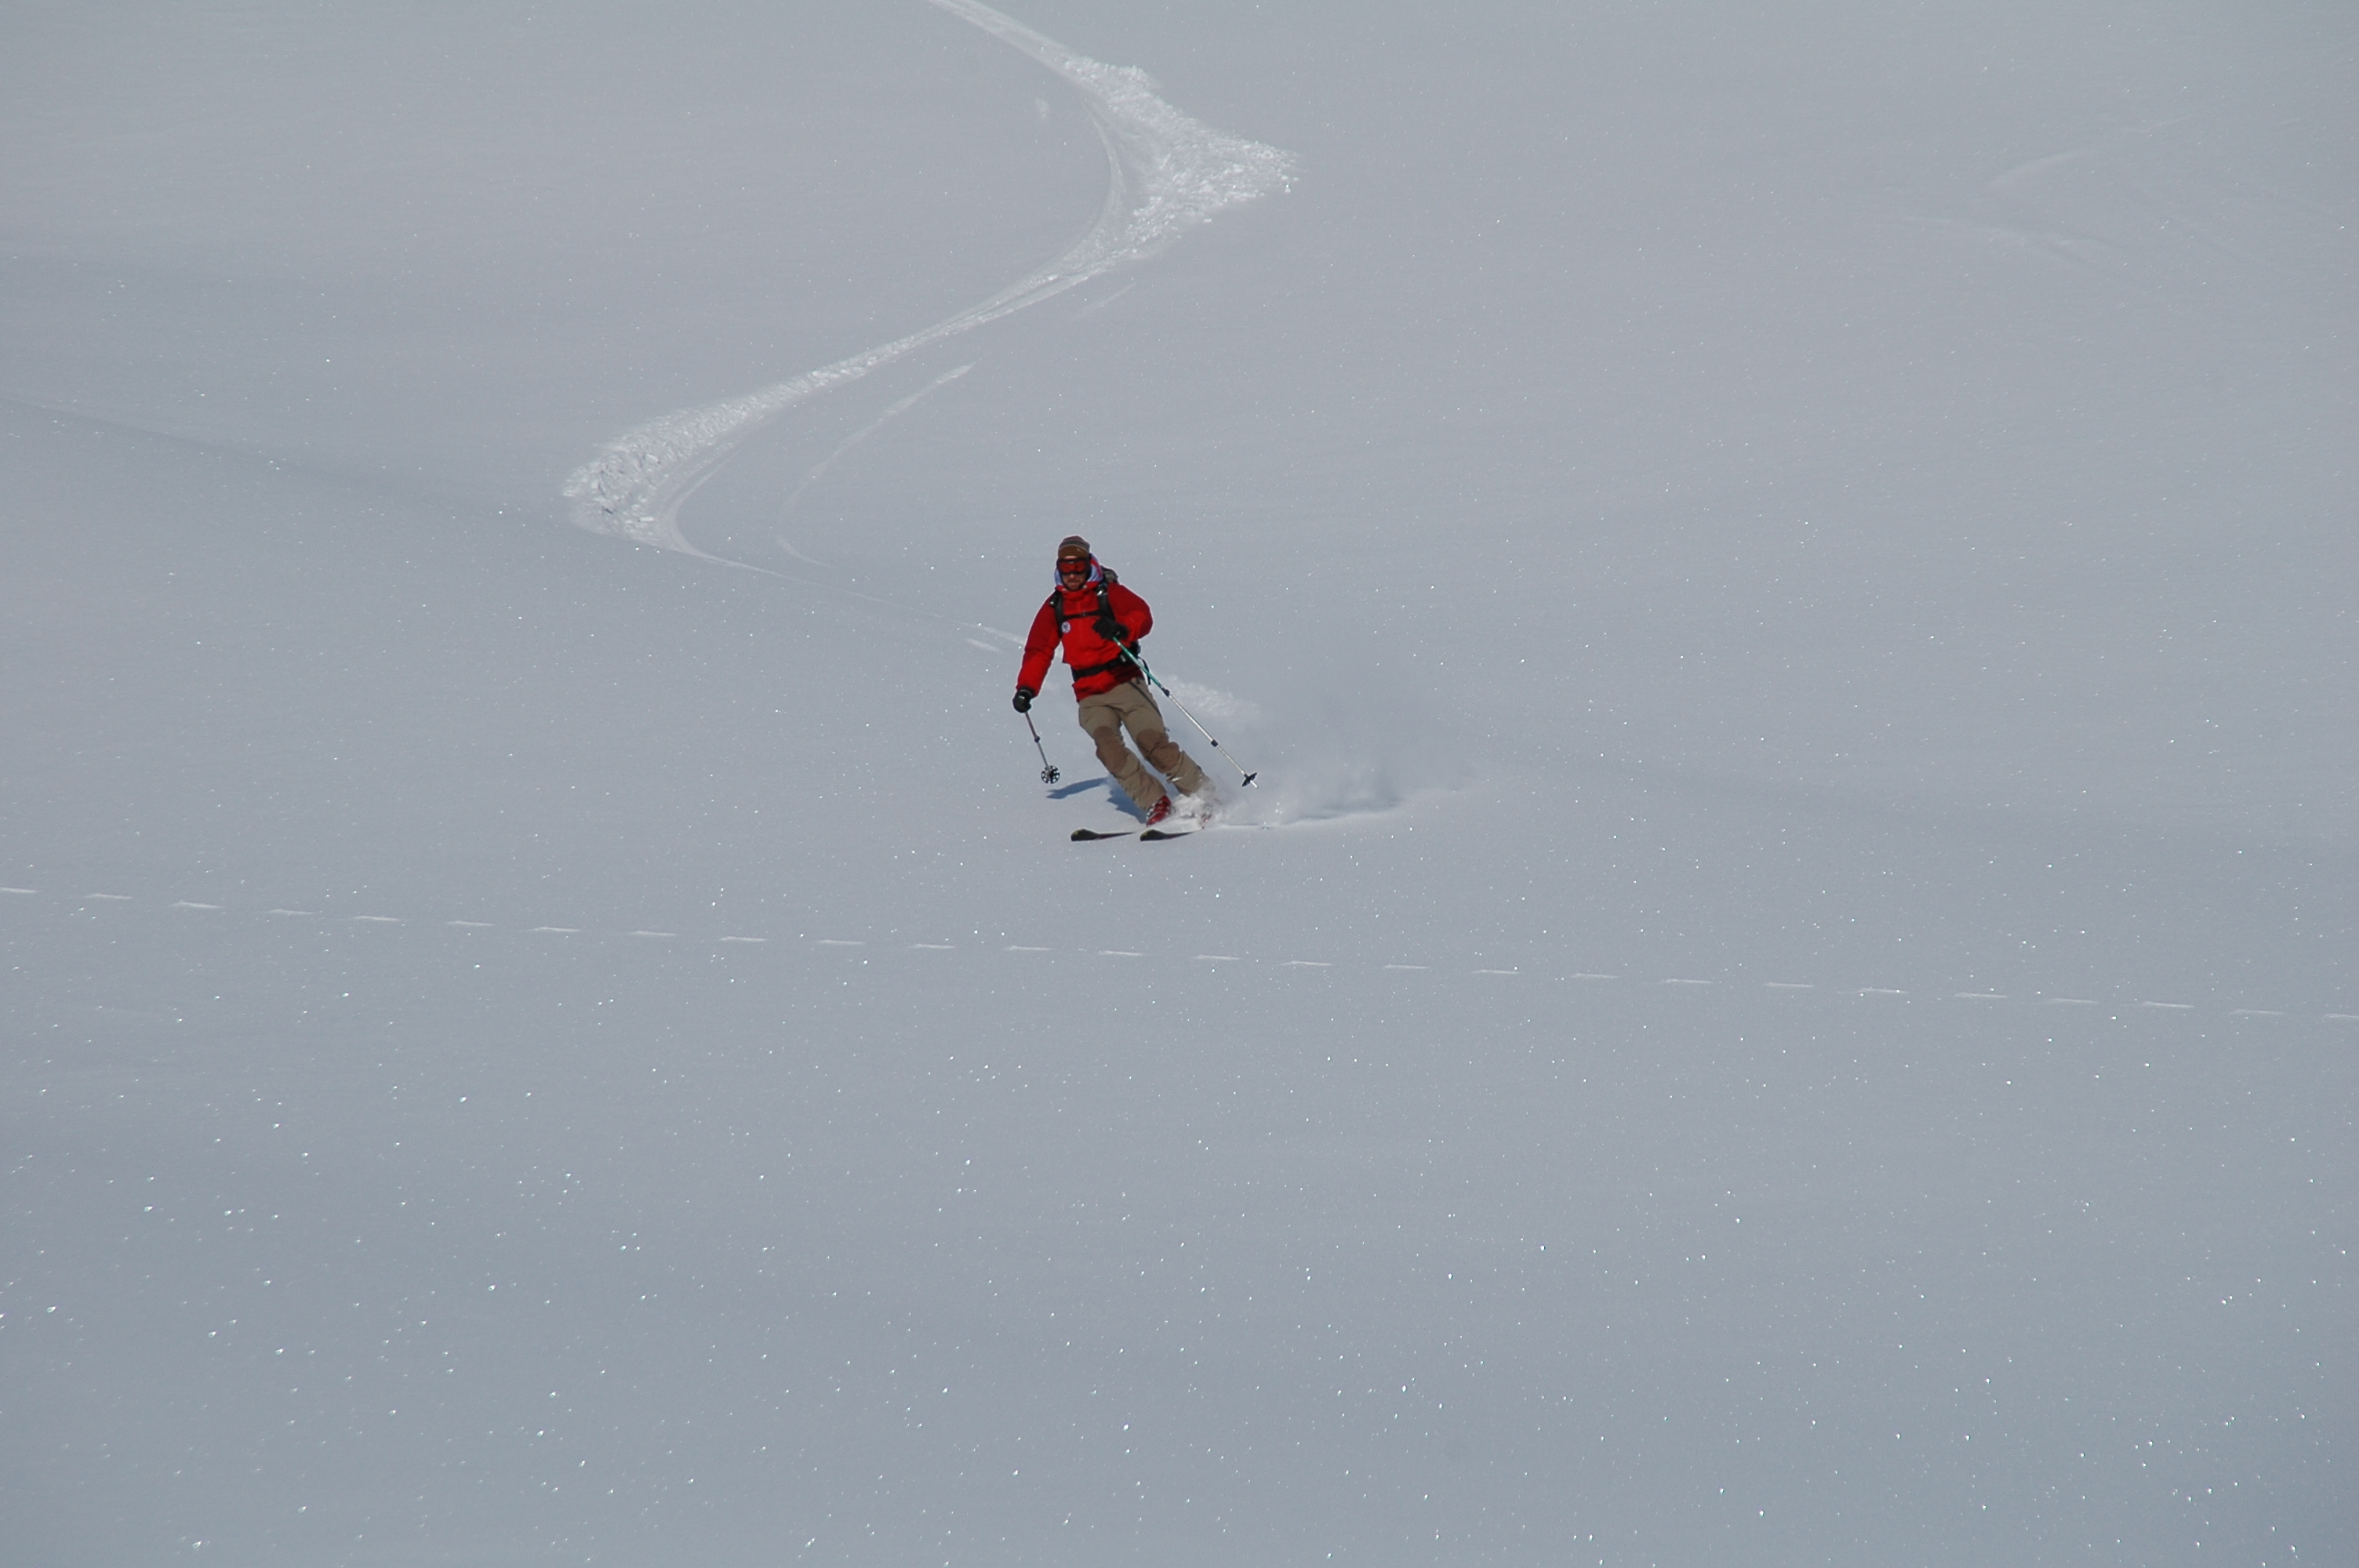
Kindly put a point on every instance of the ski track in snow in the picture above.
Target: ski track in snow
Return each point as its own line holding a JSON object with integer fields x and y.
{"x": 1166, "y": 173}
{"x": 2133, "y": 1007}
{"x": 819, "y": 470}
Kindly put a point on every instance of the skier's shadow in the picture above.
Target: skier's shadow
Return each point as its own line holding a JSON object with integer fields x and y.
{"x": 1102, "y": 782}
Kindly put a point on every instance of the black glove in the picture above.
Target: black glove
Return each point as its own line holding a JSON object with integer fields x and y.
{"x": 1111, "y": 630}
{"x": 1024, "y": 695}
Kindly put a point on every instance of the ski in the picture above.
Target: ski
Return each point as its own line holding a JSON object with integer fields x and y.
{"x": 1086, "y": 835}
{"x": 1157, "y": 834}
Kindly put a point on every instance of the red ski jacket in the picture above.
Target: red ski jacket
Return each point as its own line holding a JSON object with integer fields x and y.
{"x": 1071, "y": 617}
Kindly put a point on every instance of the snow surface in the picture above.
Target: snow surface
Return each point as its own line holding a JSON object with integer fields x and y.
{"x": 1785, "y": 995}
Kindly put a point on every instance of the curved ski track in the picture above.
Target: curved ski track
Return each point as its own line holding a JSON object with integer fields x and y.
{"x": 1166, "y": 173}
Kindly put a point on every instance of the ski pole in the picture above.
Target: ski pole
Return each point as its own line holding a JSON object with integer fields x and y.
{"x": 1048, "y": 773}
{"x": 1132, "y": 654}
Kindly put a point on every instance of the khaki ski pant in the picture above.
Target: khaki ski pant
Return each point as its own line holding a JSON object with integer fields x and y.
{"x": 1128, "y": 706}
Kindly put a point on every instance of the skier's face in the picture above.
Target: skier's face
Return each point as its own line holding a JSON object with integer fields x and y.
{"x": 1072, "y": 571}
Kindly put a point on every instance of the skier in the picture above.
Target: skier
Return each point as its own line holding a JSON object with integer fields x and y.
{"x": 1096, "y": 617}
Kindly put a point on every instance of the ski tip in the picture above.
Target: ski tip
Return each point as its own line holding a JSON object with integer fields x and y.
{"x": 1085, "y": 834}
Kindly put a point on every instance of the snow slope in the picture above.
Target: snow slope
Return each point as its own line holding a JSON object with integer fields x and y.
{"x": 1784, "y": 996}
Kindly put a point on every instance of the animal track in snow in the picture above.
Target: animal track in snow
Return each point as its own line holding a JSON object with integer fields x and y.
{"x": 2134, "y": 1005}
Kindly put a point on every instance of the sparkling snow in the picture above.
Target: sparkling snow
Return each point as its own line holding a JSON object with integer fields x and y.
{"x": 1784, "y": 995}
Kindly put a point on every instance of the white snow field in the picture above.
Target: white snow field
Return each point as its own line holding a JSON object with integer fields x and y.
{"x": 1785, "y": 995}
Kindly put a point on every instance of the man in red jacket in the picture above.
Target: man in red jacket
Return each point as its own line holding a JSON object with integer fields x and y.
{"x": 1095, "y": 617}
